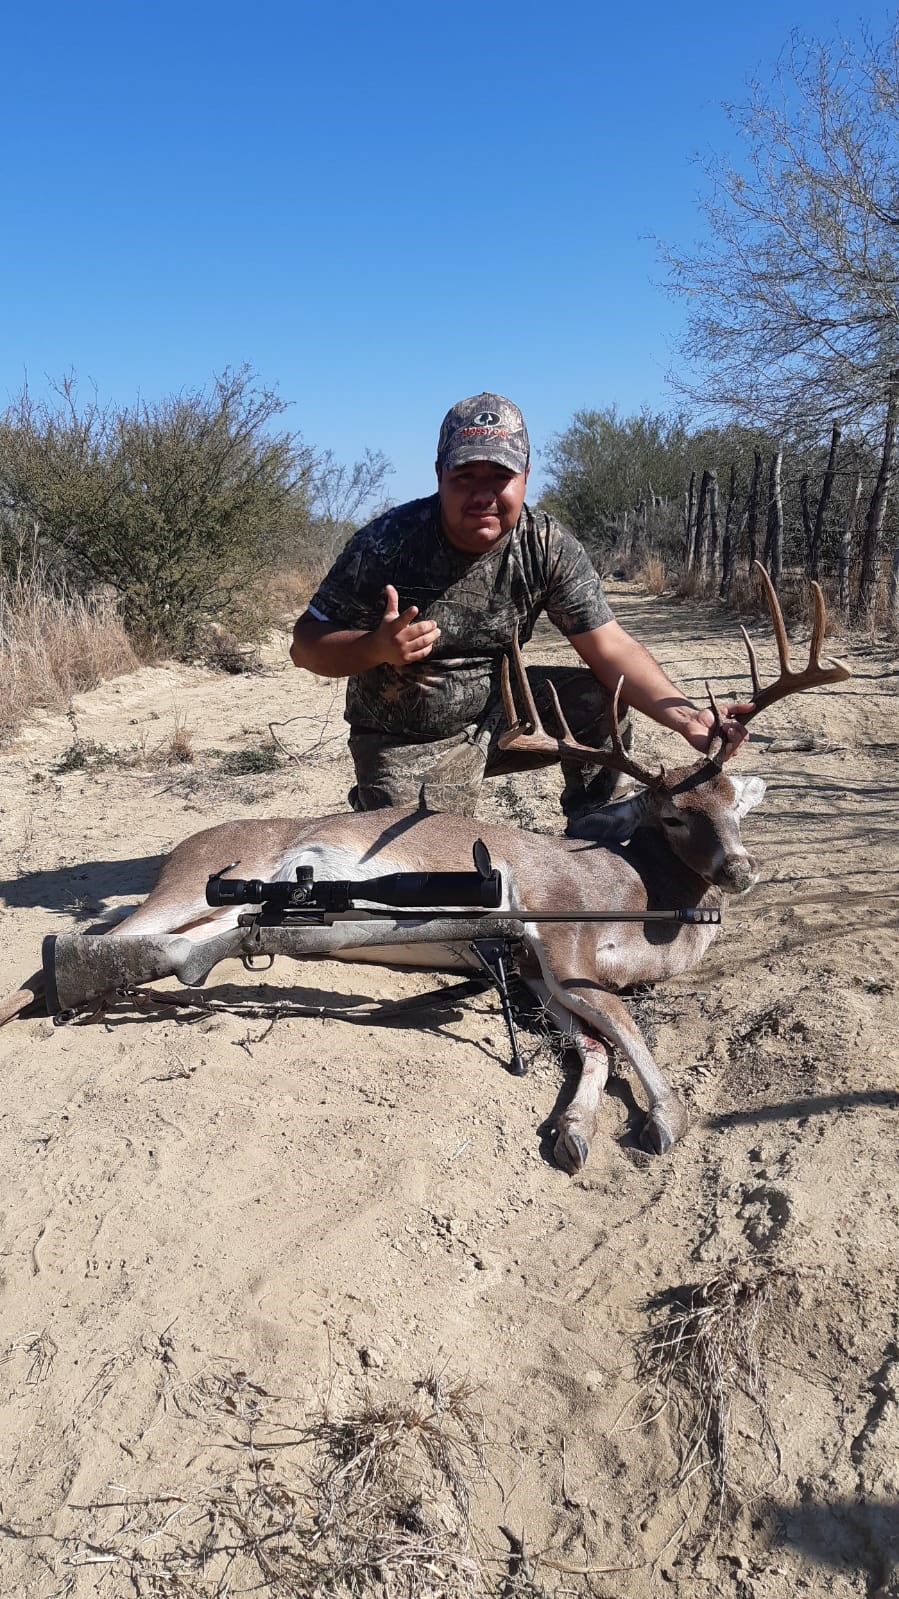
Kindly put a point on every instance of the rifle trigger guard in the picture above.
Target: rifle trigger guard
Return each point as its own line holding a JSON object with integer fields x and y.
{"x": 252, "y": 963}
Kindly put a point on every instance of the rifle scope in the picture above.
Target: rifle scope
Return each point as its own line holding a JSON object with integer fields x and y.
{"x": 408, "y": 890}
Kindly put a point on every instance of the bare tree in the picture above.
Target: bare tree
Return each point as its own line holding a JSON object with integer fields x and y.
{"x": 795, "y": 301}
{"x": 338, "y": 492}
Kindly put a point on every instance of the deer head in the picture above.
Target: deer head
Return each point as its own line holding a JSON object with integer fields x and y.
{"x": 698, "y": 808}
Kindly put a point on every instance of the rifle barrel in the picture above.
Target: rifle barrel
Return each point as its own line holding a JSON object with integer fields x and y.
{"x": 690, "y": 915}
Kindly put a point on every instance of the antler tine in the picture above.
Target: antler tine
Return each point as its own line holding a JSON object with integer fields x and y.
{"x": 716, "y": 708}
{"x": 818, "y": 625}
{"x": 753, "y": 661}
{"x": 616, "y": 759}
{"x": 641, "y": 773}
{"x": 530, "y": 723}
{"x": 531, "y": 736}
{"x": 567, "y": 735}
{"x": 777, "y": 618}
{"x": 816, "y": 674}
{"x": 717, "y": 739}
{"x": 614, "y": 729}
{"x": 508, "y": 702}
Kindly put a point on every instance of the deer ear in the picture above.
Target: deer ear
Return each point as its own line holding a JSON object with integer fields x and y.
{"x": 750, "y": 792}
{"x": 610, "y": 824}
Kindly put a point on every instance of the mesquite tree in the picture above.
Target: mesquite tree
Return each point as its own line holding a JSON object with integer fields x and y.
{"x": 178, "y": 505}
{"x": 182, "y": 505}
{"x": 794, "y": 300}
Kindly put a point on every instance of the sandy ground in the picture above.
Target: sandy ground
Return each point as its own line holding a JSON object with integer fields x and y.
{"x": 190, "y": 1204}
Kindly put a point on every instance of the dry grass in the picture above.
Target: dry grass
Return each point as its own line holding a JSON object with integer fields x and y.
{"x": 223, "y": 651}
{"x": 85, "y": 754}
{"x": 794, "y": 597}
{"x": 687, "y": 584}
{"x": 40, "y": 1351}
{"x": 289, "y": 590}
{"x": 373, "y": 1501}
{"x": 747, "y": 596}
{"x": 52, "y": 645}
{"x": 653, "y": 575}
{"x": 177, "y": 749}
{"x": 700, "y": 1358}
{"x": 391, "y": 1484}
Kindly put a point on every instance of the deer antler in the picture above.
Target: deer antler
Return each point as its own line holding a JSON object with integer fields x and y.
{"x": 815, "y": 674}
{"x": 528, "y": 733}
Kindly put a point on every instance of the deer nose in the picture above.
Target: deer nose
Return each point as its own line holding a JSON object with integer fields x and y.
{"x": 737, "y": 873}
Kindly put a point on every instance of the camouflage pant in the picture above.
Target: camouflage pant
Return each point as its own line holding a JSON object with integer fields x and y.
{"x": 446, "y": 774}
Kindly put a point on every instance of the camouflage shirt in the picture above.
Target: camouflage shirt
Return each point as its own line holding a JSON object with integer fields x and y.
{"x": 475, "y": 601}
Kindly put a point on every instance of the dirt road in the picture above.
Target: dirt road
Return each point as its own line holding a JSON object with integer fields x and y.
{"x": 194, "y": 1203}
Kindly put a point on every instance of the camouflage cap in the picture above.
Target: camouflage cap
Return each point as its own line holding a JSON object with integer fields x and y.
{"x": 484, "y": 428}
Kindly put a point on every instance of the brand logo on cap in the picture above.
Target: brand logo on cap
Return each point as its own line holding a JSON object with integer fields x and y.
{"x": 487, "y": 419}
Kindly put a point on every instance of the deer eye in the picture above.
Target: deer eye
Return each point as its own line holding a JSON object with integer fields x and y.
{"x": 675, "y": 821}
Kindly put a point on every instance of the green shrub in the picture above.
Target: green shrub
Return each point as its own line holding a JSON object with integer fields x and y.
{"x": 180, "y": 506}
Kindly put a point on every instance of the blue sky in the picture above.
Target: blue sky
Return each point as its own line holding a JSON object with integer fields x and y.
{"x": 380, "y": 208}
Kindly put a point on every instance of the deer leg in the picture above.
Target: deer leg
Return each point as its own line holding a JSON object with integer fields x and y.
{"x": 607, "y": 1015}
{"x": 666, "y": 1119}
{"x": 579, "y": 1121}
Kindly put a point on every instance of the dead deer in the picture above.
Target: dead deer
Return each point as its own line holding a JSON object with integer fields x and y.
{"x": 674, "y": 841}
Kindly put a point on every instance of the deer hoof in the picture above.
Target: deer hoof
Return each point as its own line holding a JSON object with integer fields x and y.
{"x": 571, "y": 1150}
{"x": 666, "y": 1123}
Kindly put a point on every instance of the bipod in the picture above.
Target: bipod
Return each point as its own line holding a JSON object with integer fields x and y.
{"x": 489, "y": 953}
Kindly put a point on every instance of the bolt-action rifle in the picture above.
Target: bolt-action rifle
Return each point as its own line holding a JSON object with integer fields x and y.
{"x": 464, "y": 898}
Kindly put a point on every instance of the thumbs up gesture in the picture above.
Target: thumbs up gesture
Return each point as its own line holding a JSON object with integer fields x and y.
{"x": 400, "y": 639}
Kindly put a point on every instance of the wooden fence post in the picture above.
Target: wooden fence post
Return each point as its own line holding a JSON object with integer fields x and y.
{"x": 689, "y": 522}
{"x": 714, "y": 532}
{"x": 774, "y": 532}
{"x": 845, "y": 551}
{"x": 806, "y": 520}
{"x": 700, "y": 555}
{"x": 893, "y": 604}
{"x": 873, "y": 535}
{"x": 752, "y": 512}
{"x": 729, "y": 548}
{"x": 817, "y": 538}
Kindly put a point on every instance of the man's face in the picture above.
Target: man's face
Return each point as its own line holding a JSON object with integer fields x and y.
{"x": 480, "y": 502}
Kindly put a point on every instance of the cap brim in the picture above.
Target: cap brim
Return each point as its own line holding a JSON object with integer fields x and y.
{"x": 499, "y": 453}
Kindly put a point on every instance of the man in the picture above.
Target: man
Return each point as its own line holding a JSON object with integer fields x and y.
{"x": 420, "y": 608}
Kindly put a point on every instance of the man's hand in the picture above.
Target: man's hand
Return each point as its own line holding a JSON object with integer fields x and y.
{"x": 334, "y": 651}
{"x": 611, "y": 653}
{"x": 697, "y": 725}
{"x": 399, "y": 639}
